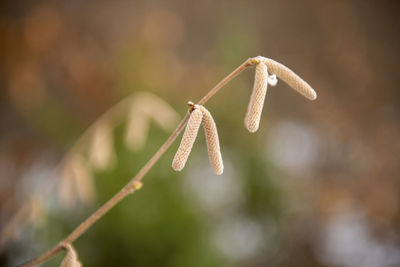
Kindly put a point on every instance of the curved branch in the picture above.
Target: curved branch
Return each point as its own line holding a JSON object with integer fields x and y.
{"x": 132, "y": 185}
{"x": 274, "y": 67}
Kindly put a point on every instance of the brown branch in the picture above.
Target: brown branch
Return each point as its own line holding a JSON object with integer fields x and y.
{"x": 131, "y": 186}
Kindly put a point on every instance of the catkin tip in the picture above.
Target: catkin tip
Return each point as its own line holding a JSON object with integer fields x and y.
{"x": 220, "y": 171}
{"x": 251, "y": 127}
{"x": 177, "y": 167}
{"x": 313, "y": 96}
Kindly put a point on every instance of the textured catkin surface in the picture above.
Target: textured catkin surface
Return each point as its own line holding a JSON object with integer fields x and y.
{"x": 254, "y": 110}
{"x": 291, "y": 78}
{"x": 71, "y": 259}
{"x": 213, "y": 147}
{"x": 189, "y": 136}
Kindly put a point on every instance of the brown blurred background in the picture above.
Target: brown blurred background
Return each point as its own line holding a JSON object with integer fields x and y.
{"x": 317, "y": 185}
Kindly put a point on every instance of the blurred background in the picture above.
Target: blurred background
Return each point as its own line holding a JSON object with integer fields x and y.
{"x": 317, "y": 185}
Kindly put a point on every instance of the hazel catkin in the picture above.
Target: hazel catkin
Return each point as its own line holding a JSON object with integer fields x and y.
{"x": 256, "y": 104}
{"x": 188, "y": 138}
{"x": 213, "y": 147}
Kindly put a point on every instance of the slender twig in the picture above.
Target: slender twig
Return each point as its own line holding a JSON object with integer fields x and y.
{"x": 224, "y": 81}
{"x": 130, "y": 187}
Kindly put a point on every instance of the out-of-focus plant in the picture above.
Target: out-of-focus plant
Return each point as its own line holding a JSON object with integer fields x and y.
{"x": 94, "y": 151}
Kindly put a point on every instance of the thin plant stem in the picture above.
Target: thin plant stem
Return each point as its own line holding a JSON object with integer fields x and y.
{"x": 224, "y": 81}
{"x": 130, "y": 187}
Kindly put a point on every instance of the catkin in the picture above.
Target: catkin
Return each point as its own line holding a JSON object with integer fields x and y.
{"x": 211, "y": 133}
{"x": 254, "y": 110}
{"x": 137, "y": 129}
{"x": 76, "y": 183}
{"x": 291, "y": 78}
{"x": 101, "y": 152}
{"x": 145, "y": 107}
{"x": 189, "y": 136}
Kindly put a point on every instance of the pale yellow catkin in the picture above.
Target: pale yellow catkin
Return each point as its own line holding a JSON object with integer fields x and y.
{"x": 289, "y": 77}
{"x": 256, "y": 104}
{"x": 188, "y": 138}
{"x": 212, "y": 140}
